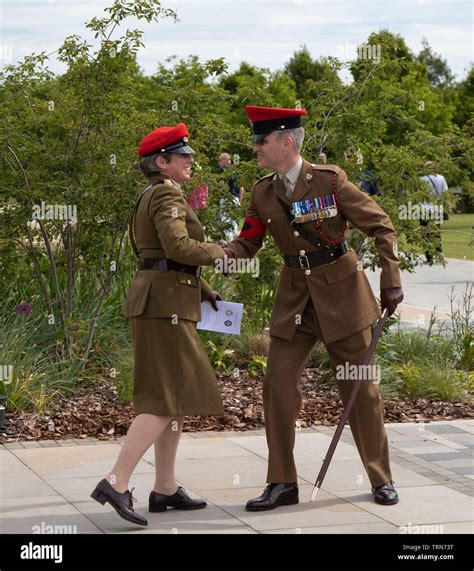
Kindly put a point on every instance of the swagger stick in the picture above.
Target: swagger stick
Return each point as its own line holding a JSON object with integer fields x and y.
{"x": 347, "y": 410}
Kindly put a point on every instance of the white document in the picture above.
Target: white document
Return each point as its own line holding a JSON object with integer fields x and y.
{"x": 226, "y": 320}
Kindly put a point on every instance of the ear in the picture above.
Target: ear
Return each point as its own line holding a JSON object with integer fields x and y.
{"x": 160, "y": 162}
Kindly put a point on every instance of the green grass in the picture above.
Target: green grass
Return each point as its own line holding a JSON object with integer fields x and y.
{"x": 456, "y": 234}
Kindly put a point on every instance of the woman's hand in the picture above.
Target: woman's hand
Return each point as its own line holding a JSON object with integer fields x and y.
{"x": 213, "y": 298}
{"x": 227, "y": 250}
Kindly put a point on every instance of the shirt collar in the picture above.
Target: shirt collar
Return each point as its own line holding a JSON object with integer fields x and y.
{"x": 293, "y": 174}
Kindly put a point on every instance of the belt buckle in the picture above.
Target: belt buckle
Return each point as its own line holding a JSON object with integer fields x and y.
{"x": 198, "y": 272}
{"x": 305, "y": 258}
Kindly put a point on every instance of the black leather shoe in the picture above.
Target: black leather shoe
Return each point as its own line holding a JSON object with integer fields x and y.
{"x": 385, "y": 494}
{"x": 179, "y": 501}
{"x": 121, "y": 502}
{"x": 274, "y": 495}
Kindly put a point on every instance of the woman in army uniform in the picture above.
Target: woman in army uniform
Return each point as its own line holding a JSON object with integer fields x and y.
{"x": 172, "y": 373}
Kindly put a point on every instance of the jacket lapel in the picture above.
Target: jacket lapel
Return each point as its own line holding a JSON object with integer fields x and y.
{"x": 279, "y": 189}
{"x": 303, "y": 183}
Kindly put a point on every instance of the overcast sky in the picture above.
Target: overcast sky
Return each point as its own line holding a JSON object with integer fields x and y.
{"x": 262, "y": 32}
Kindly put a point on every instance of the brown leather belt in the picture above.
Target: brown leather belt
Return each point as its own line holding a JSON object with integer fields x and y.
{"x": 313, "y": 259}
{"x": 167, "y": 264}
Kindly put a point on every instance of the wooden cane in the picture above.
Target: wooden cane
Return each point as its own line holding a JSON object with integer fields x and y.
{"x": 347, "y": 409}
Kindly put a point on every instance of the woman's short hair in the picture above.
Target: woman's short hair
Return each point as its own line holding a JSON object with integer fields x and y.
{"x": 148, "y": 166}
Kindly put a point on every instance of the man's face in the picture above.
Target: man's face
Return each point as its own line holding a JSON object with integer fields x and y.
{"x": 179, "y": 167}
{"x": 223, "y": 161}
{"x": 272, "y": 150}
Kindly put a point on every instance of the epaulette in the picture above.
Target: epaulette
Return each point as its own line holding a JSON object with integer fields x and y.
{"x": 166, "y": 181}
{"x": 332, "y": 168}
{"x": 271, "y": 175}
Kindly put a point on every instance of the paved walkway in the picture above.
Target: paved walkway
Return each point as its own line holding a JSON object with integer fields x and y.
{"x": 429, "y": 287}
{"x": 48, "y": 484}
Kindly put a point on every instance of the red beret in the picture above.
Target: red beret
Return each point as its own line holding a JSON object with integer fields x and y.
{"x": 166, "y": 140}
{"x": 264, "y": 120}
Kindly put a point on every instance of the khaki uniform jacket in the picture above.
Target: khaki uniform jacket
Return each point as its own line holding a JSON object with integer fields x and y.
{"x": 339, "y": 290}
{"x": 165, "y": 226}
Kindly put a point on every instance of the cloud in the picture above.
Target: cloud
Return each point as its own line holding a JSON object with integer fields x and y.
{"x": 263, "y": 32}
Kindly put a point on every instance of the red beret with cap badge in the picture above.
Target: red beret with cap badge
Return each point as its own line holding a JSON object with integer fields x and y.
{"x": 165, "y": 140}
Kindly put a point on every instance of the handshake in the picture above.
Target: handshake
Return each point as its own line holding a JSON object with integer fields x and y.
{"x": 214, "y": 295}
{"x": 227, "y": 250}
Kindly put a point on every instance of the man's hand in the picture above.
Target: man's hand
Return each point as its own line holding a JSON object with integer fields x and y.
{"x": 228, "y": 252}
{"x": 390, "y": 298}
{"x": 213, "y": 298}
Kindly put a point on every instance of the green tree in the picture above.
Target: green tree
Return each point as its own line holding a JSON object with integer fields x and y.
{"x": 304, "y": 70}
{"x": 439, "y": 73}
{"x": 71, "y": 140}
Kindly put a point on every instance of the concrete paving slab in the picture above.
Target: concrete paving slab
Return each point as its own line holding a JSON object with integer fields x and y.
{"x": 43, "y": 515}
{"x": 327, "y": 510}
{"x": 420, "y": 504}
{"x": 350, "y": 474}
{"x": 227, "y": 472}
{"x": 204, "y": 448}
{"x": 53, "y": 485}
{"x": 379, "y": 527}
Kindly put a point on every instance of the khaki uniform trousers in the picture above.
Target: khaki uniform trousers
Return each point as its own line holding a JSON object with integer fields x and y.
{"x": 282, "y": 400}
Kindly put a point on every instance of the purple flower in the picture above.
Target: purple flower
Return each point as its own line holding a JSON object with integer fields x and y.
{"x": 24, "y": 308}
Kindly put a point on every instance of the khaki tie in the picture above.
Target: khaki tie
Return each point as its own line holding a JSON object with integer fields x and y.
{"x": 287, "y": 184}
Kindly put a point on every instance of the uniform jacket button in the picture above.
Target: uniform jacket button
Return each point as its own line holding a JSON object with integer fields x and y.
{"x": 296, "y": 233}
{"x": 307, "y": 272}
{"x": 269, "y": 220}
{"x": 188, "y": 281}
{"x": 302, "y": 252}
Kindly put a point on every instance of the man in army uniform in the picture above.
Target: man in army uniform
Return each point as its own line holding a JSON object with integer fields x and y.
{"x": 323, "y": 295}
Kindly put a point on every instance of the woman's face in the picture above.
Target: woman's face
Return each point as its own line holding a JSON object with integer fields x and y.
{"x": 179, "y": 167}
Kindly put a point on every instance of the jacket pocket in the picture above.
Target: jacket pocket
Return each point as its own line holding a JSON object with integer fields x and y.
{"x": 137, "y": 295}
{"x": 349, "y": 290}
{"x": 187, "y": 279}
{"x": 341, "y": 268}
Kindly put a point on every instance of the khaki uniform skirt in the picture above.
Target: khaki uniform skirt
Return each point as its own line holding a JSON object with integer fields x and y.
{"x": 172, "y": 372}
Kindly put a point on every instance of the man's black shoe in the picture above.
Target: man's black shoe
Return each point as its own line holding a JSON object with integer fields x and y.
{"x": 385, "y": 494}
{"x": 274, "y": 495}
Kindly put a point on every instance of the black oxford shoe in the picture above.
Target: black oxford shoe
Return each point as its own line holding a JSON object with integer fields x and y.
{"x": 121, "y": 502}
{"x": 385, "y": 494}
{"x": 274, "y": 495}
{"x": 179, "y": 501}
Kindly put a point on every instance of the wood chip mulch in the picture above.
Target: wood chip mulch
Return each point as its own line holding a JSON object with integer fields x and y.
{"x": 97, "y": 412}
